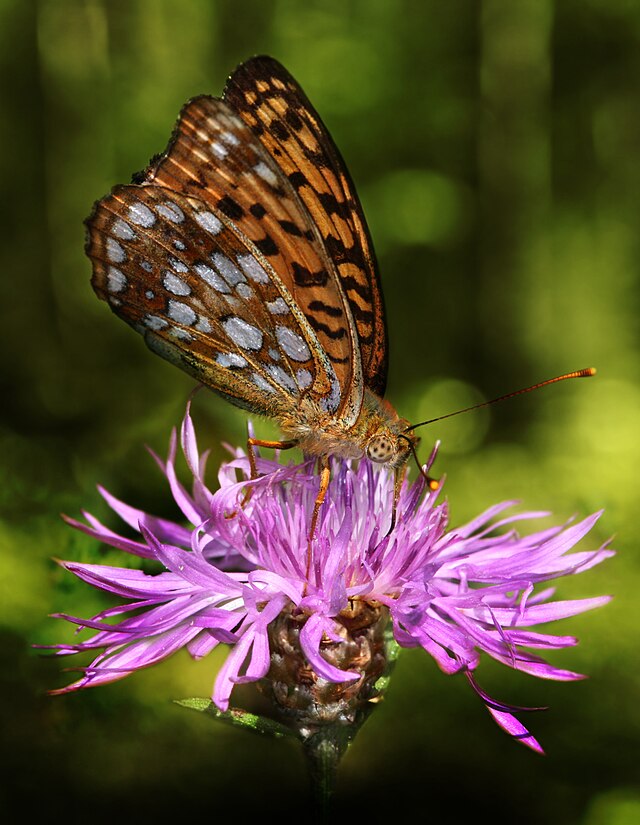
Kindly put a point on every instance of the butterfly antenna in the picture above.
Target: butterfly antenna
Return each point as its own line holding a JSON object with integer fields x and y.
{"x": 586, "y": 373}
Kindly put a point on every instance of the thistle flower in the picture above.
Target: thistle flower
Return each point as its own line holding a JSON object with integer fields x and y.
{"x": 307, "y": 621}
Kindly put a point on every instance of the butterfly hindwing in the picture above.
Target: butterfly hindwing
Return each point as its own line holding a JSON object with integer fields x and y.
{"x": 204, "y": 299}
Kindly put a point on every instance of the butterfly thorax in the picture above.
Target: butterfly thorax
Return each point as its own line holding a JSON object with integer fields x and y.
{"x": 377, "y": 432}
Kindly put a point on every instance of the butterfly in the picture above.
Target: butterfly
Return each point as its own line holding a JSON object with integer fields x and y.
{"x": 242, "y": 255}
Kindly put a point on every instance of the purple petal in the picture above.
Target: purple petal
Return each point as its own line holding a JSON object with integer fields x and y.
{"x": 311, "y": 635}
{"x": 103, "y": 534}
{"x": 515, "y": 729}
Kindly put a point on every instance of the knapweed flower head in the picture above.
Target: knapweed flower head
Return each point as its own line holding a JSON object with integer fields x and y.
{"x": 307, "y": 618}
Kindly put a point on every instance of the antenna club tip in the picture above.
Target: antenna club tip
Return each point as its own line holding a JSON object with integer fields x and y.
{"x": 433, "y": 484}
{"x": 589, "y": 371}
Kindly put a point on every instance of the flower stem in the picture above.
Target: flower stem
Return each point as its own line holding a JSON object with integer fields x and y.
{"x": 324, "y": 749}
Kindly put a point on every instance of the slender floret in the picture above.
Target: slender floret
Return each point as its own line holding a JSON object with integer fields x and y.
{"x": 243, "y": 576}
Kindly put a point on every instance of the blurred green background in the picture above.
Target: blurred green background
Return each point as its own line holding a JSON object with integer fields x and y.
{"x": 496, "y": 148}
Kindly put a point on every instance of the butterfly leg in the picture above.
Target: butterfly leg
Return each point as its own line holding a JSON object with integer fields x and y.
{"x": 398, "y": 477}
{"x": 272, "y": 445}
{"x": 325, "y": 477}
{"x": 259, "y": 442}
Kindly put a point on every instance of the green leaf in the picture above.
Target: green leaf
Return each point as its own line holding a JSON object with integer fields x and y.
{"x": 238, "y": 718}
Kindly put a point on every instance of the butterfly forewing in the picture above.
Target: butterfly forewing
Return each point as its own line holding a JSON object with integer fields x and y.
{"x": 203, "y": 297}
{"x": 272, "y": 103}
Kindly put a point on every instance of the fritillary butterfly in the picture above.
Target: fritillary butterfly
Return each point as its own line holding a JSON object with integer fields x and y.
{"x": 242, "y": 255}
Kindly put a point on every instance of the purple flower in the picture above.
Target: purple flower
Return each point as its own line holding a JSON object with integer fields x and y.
{"x": 234, "y": 573}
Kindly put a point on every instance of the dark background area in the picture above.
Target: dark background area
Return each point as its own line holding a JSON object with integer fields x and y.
{"x": 495, "y": 146}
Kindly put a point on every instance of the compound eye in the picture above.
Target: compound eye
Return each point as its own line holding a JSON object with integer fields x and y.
{"x": 380, "y": 449}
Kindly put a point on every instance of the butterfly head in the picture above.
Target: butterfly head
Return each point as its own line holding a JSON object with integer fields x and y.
{"x": 383, "y": 437}
{"x": 388, "y": 447}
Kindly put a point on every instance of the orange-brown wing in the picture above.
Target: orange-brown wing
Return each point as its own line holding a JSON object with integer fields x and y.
{"x": 205, "y": 298}
{"x": 272, "y": 103}
{"x": 215, "y": 157}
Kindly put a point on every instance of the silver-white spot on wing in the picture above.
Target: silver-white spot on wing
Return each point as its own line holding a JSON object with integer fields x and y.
{"x": 293, "y": 344}
{"x": 209, "y": 222}
{"x": 231, "y": 359}
{"x": 282, "y": 377}
{"x": 122, "y": 230}
{"x": 278, "y": 307}
{"x": 170, "y": 211}
{"x": 172, "y": 283}
{"x": 245, "y": 291}
{"x": 116, "y": 280}
{"x": 181, "y": 313}
{"x": 115, "y": 252}
{"x": 203, "y": 324}
{"x": 227, "y": 269}
{"x": 218, "y": 149}
{"x": 229, "y": 138}
{"x": 141, "y": 215}
{"x": 211, "y": 277}
{"x": 304, "y": 378}
{"x": 155, "y": 322}
{"x": 266, "y": 173}
{"x": 243, "y": 334}
{"x": 177, "y": 265}
{"x": 253, "y": 269}
{"x": 182, "y": 334}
